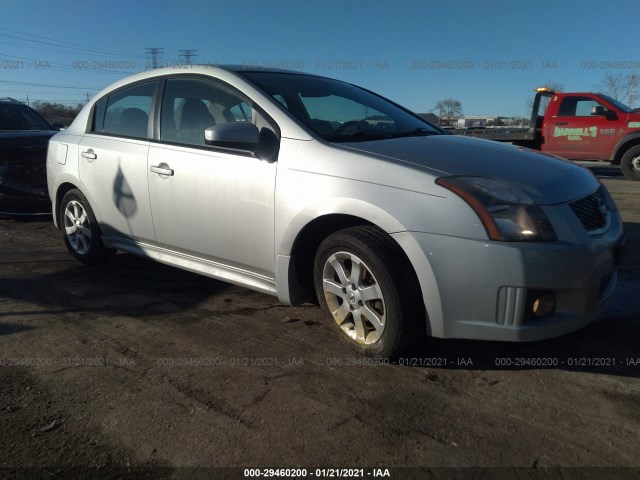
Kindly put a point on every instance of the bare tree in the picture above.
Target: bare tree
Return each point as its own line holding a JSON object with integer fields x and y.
{"x": 620, "y": 86}
{"x": 556, "y": 86}
{"x": 56, "y": 112}
{"x": 448, "y": 109}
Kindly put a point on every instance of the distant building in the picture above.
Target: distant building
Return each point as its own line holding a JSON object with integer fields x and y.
{"x": 378, "y": 119}
{"x": 485, "y": 121}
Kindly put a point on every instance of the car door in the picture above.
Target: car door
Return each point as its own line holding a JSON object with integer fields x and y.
{"x": 577, "y": 134}
{"x": 113, "y": 163}
{"x": 211, "y": 203}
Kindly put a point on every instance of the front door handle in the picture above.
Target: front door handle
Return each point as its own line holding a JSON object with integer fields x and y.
{"x": 89, "y": 155}
{"x": 561, "y": 123}
{"x": 162, "y": 169}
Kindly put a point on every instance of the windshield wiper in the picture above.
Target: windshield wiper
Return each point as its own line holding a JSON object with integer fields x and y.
{"x": 368, "y": 136}
{"x": 358, "y": 137}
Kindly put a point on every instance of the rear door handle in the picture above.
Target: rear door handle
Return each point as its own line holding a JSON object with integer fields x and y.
{"x": 162, "y": 169}
{"x": 89, "y": 155}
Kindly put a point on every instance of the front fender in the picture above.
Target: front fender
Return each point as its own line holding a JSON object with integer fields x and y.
{"x": 287, "y": 234}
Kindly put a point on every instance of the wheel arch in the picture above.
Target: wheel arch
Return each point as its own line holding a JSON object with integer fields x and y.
{"x": 623, "y": 146}
{"x": 304, "y": 247}
{"x": 67, "y": 183}
{"x": 295, "y": 271}
{"x": 61, "y": 191}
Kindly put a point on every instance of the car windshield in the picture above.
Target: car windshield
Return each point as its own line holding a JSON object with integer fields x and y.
{"x": 20, "y": 117}
{"x": 337, "y": 111}
{"x": 616, "y": 103}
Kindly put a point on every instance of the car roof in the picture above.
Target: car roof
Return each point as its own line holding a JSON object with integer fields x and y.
{"x": 258, "y": 68}
{"x": 11, "y": 101}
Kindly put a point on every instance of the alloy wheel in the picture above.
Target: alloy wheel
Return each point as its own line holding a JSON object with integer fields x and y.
{"x": 354, "y": 297}
{"x": 77, "y": 227}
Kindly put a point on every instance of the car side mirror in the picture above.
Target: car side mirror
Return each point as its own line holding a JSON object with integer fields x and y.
{"x": 600, "y": 110}
{"x": 58, "y": 126}
{"x": 239, "y": 135}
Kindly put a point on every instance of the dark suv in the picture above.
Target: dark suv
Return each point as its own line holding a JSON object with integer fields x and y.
{"x": 24, "y": 136}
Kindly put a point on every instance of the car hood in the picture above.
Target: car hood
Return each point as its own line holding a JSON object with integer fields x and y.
{"x": 545, "y": 178}
{"x": 29, "y": 138}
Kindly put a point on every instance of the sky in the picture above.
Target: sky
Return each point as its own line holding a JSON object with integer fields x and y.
{"x": 488, "y": 54}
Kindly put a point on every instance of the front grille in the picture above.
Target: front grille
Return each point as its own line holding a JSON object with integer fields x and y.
{"x": 592, "y": 211}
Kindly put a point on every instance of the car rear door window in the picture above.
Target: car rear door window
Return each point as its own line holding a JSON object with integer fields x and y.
{"x": 127, "y": 112}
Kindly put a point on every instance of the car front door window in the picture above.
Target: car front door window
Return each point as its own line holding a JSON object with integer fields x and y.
{"x": 190, "y": 106}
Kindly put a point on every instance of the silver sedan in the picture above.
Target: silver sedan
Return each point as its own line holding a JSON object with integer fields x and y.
{"x": 312, "y": 189}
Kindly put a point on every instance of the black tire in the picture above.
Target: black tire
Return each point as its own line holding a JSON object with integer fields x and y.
{"x": 85, "y": 241}
{"x": 630, "y": 163}
{"x": 383, "y": 269}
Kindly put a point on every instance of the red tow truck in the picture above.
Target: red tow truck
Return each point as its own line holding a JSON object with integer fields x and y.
{"x": 577, "y": 126}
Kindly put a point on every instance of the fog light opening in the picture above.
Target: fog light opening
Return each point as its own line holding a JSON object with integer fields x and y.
{"x": 543, "y": 305}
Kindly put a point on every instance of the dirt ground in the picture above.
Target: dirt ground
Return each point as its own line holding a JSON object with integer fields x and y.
{"x": 137, "y": 370}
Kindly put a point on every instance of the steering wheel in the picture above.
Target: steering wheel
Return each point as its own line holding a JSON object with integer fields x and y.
{"x": 358, "y": 125}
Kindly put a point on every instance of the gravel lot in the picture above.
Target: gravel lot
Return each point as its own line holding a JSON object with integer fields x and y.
{"x": 136, "y": 370}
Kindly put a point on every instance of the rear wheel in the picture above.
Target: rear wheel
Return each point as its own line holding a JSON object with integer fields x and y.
{"x": 366, "y": 286}
{"x": 630, "y": 163}
{"x": 80, "y": 229}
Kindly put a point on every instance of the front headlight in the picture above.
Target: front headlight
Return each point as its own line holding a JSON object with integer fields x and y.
{"x": 507, "y": 213}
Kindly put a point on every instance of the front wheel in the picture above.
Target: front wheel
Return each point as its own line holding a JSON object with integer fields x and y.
{"x": 630, "y": 163}
{"x": 80, "y": 229}
{"x": 369, "y": 291}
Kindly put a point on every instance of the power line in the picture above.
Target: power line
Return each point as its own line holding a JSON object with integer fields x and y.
{"x": 11, "y": 82}
{"x": 63, "y": 44}
{"x": 63, "y": 54}
{"x": 24, "y": 92}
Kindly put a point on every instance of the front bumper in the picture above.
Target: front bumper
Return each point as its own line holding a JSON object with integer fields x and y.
{"x": 480, "y": 289}
{"x": 18, "y": 198}
{"x": 23, "y": 187}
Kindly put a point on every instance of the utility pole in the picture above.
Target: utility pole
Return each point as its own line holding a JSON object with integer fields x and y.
{"x": 155, "y": 53}
{"x": 187, "y": 55}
